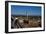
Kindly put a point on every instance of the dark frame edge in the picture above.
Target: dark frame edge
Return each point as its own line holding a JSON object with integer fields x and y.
{"x": 26, "y": 2}
{"x": 6, "y": 17}
{"x": 44, "y": 17}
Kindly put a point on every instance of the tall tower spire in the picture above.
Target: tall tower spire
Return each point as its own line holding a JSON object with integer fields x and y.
{"x": 26, "y": 14}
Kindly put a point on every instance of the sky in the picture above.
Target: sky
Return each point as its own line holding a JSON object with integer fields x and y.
{"x": 21, "y": 10}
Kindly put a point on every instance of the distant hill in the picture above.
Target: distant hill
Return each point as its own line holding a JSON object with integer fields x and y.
{"x": 26, "y": 15}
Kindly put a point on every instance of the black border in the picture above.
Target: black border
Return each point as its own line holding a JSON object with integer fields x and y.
{"x": 6, "y": 16}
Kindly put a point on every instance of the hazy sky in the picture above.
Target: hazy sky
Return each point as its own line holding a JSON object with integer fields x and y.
{"x": 21, "y": 10}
